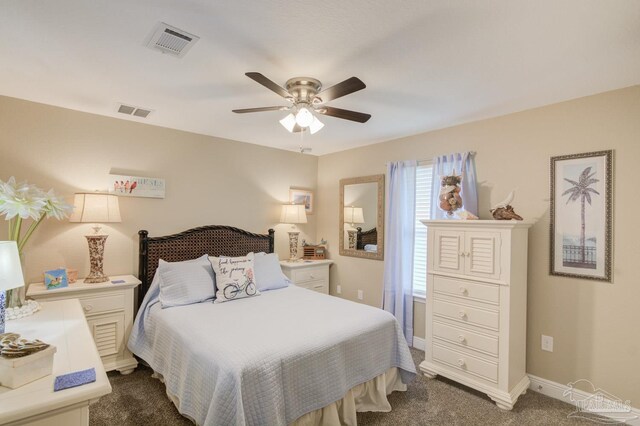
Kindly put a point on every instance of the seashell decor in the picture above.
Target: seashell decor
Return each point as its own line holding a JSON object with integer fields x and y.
{"x": 504, "y": 211}
{"x": 12, "y": 346}
{"x": 449, "y": 197}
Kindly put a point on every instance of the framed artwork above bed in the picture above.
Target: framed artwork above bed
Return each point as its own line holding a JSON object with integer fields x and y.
{"x": 581, "y": 215}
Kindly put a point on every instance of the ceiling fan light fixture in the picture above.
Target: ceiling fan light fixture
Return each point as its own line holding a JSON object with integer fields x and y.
{"x": 315, "y": 125}
{"x": 289, "y": 122}
{"x": 304, "y": 118}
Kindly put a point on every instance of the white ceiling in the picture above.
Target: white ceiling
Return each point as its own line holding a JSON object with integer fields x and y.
{"x": 426, "y": 64}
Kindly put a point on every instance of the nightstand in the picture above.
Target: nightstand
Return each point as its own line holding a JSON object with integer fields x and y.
{"x": 309, "y": 274}
{"x": 108, "y": 308}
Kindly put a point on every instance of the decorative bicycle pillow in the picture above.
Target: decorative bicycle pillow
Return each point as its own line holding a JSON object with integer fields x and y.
{"x": 235, "y": 277}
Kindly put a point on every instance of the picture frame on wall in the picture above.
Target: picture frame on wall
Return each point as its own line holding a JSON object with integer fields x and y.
{"x": 136, "y": 186}
{"x": 581, "y": 215}
{"x": 302, "y": 196}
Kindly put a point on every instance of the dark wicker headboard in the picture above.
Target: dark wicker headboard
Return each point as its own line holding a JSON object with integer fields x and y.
{"x": 366, "y": 237}
{"x": 214, "y": 240}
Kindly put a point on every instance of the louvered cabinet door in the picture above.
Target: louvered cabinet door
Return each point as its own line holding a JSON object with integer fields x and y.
{"x": 108, "y": 333}
{"x": 482, "y": 254}
{"x": 448, "y": 248}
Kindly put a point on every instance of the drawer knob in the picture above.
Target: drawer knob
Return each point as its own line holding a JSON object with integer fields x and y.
{"x": 311, "y": 276}
{"x": 88, "y": 308}
{"x": 463, "y": 290}
{"x": 462, "y": 339}
{"x": 462, "y": 314}
{"x": 461, "y": 362}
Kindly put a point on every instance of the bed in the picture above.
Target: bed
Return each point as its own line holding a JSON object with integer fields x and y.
{"x": 367, "y": 240}
{"x": 288, "y": 356}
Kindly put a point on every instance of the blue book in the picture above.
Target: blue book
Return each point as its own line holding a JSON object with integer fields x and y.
{"x": 77, "y": 378}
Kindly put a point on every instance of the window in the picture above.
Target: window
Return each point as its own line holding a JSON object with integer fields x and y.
{"x": 424, "y": 174}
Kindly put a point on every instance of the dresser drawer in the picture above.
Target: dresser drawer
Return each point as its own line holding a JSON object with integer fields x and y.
{"x": 462, "y": 361}
{"x": 465, "y": 338}
{"x": 467, "y": 314}
{"x": 467, "y": 289}
{"x": 99, "y": 304}
{"x": 317, "y": 273}
{"x": 319, "y": 286}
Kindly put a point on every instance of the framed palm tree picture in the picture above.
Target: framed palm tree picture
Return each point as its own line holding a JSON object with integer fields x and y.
{"x": 581, "y": 216}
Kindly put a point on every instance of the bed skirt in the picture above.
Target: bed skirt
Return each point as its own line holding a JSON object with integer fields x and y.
{"x": 368, "y": 396}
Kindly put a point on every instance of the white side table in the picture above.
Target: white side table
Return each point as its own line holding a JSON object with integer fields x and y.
{"x": 309, "y": 274}
{"x": 63, "y": 325}
{"x": 109, "y": 311}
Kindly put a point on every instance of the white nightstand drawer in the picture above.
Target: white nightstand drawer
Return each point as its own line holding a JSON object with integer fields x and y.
{"x": 317, "y": 273}
{"x": 99, "y": 304}
{"x": 466, "y": 338}
{"x": 467, "y": 289}
{"x": 467, "y": 314}
{"x": 320, "y": 286}
{"x": 463, "y": 361}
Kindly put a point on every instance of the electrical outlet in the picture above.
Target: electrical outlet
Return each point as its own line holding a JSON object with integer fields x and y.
{"x": 339, "y": 289}
{"x": 547, "y": 343}
{"x": 360, "y": 295}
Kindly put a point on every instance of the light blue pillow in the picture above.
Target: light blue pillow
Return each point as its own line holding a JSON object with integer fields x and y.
{"x": 184, "y": 283}
{"x": 268, "y": 272}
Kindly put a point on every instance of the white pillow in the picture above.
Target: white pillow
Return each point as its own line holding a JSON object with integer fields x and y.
{"x": 269, "y": 274}
{"x": 184, "y": 283}
{"x": 235, "y": 277}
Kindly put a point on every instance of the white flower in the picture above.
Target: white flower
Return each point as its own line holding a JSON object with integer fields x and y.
{"x": 56, "y": 206}
{"x": 21, "y": 200}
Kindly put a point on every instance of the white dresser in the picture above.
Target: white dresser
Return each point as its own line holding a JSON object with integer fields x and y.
{"x": 309, "y": 274}
{"x": 63, "y": 325}
{"x": 109, "y": 310}
{"x": 476, "y": 308}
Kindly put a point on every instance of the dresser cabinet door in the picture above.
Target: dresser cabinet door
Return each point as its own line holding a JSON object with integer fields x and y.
{"x": 448, "y": 248}
{"x": 482, "y": 254}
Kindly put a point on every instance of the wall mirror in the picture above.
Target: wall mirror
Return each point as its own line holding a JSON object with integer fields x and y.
{"x": 362, "y": 217}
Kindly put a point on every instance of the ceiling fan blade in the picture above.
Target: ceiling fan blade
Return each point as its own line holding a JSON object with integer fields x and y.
{"x": 261, "y": 79}
{"x": 271, "y": 108}
{"x": 348, "y": 86}
{"x": 345, "y": 114}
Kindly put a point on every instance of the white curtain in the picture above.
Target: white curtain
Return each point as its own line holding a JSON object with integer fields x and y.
{"x": 400, "y": 211}
{"x": 463, "y": 164}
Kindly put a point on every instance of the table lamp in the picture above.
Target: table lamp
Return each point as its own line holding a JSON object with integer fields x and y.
{"x": 293, "y": 213}
{"x": 353, "y": 215}
{"x": 10, "y": 274}
{"x": 95, "y": 207}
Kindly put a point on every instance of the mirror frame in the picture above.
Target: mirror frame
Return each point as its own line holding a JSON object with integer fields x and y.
{"x": 379, "y": 180}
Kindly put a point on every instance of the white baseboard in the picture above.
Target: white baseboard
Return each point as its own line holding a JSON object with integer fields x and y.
{"x": 576, "y": 397}
{"x": 418, "y": 343}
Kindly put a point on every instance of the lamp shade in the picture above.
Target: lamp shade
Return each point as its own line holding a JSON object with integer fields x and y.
{"x": 293, "y": 213}
{"x": 353, "y": 215}
{"x": 95, "y": 207}
{"x": 10, "y": 267}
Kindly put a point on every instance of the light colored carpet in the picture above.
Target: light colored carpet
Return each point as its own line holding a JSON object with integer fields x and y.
{"x": 138, "y": 399}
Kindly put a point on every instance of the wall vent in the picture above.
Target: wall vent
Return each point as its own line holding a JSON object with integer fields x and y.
{"x": 171, "y": 40}
{"x": 133, "y": 110}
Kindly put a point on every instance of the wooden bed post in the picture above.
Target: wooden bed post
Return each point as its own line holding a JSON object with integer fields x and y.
{"x": 142, "y": 264}
{"x": 272, "y": 240}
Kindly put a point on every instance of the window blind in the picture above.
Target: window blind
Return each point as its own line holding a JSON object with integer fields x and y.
{"x": 424, "y": 174}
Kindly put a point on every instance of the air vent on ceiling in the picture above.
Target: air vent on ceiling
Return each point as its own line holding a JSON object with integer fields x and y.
{"x": 171, "y": 40}
{"x": 135, "y": 111}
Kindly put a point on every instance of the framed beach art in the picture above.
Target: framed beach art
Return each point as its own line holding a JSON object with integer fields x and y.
{"x": 581, "y": 215}
{"x": 302, "y": 196}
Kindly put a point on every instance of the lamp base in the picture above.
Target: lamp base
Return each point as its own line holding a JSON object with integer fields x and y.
{"x": 352, "y": 239}
{"x": 96, "y": 257}
{"x": 3, "y": 307}
{"x": 293, "y": 246}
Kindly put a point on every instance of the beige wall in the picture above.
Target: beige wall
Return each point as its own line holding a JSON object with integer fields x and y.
{"x": 595, "y": 325}
{"x": 209, "y": 181}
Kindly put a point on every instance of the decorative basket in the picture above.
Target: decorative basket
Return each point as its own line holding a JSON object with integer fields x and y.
{"x": 15, "y": 372}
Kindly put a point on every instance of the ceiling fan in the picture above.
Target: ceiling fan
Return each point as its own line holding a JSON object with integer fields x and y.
{"x": 306, "y": 97}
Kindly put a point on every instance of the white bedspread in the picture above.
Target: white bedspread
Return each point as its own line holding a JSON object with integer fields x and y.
{"x": 266, "y": 360}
